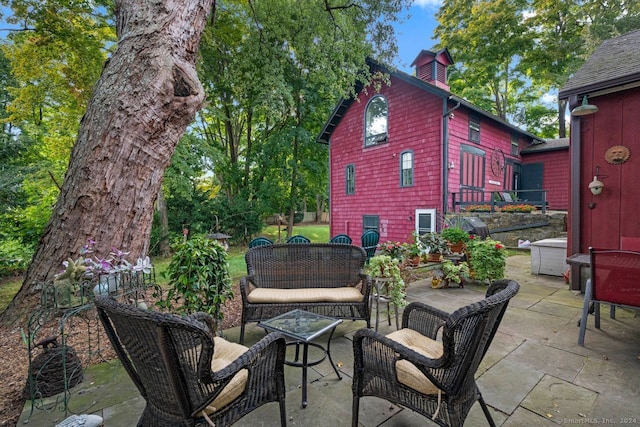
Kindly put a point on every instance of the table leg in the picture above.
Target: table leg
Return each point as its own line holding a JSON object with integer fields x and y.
{"x": 329, "y": 354}
{"x": 305, "y": 354}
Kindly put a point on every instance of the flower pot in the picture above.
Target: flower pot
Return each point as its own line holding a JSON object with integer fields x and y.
{"x": 434, "y": 257}
{"x": 456, "y": 247}
{"x": 108, "y": 284}
{"x": 415, "y": 260}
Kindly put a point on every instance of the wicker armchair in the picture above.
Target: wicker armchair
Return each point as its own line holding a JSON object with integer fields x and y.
{"x": 186, "y": 374}
{"x": 434, "y": 378}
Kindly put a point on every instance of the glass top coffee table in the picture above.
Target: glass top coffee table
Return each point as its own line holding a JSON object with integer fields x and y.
{"x": 303, "y": 327}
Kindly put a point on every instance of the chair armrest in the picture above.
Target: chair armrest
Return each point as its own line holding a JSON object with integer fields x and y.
{"x": 245, "y": 287}
{"x": 209, "y": 322}
{"x": 265, "y": 363}
{"x": 377, "y": 355}
{"x": 424, "y": 319}
{"x": 367, "y": 284}
{"x": 264, "y": 356}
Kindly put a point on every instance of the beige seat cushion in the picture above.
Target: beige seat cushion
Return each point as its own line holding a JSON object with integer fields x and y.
{"x": 408, "y": 373}
{"x": 225, "y": 353}
{"x": 281, "y": 296}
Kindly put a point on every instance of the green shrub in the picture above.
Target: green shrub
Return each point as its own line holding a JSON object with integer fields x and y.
{"x": 14, "y": 257}
{"x": 199, "y": 279}
{"x": 487, "y": 259}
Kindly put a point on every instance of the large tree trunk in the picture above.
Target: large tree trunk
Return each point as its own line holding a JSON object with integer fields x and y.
{"x": 146, "y": 96}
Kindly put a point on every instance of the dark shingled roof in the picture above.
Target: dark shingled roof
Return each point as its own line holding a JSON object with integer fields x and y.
{"x": 614, "y": 63}
{"x": 547, "y": 145}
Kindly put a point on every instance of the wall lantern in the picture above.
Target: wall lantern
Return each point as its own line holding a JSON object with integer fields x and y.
{"x": 596, "y": 186}
{"x": 585, "y": 109}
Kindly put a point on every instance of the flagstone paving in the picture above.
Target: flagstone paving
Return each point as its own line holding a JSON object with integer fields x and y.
{"x": 534, "y": 374}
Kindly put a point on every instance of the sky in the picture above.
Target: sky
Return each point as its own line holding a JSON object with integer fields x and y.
{"x": 416, "y": 33}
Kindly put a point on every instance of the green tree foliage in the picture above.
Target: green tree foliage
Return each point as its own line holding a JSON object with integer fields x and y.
{"x": 485, "y": 37}
{"x": 511, "y": 54}
{"x": 55, "y": 59}
{"x": 273, "y": 72}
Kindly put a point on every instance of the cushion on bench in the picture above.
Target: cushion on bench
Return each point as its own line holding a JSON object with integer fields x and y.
{"x": 282, "y": 296}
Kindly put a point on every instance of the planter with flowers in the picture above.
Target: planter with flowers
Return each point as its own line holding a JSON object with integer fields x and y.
{"x": 478, "y": 208}
{"x": 88, "y": 276}
{"x": 487, "y": 259}
{"x": 456, "y": 238}
{"x": 393, "y": 249}
{"x": 520, "y": 208}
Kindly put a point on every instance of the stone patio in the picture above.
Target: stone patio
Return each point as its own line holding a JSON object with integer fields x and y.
{"x": 534, "y": 374}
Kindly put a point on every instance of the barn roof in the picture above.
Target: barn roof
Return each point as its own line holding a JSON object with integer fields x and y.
{"x": 616, "y": 62}
{"x": 342, "y": 107}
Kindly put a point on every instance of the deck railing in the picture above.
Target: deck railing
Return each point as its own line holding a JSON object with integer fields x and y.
{"x": 496, "y": 199}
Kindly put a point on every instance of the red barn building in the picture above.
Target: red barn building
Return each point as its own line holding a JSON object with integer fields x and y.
{"x": 402, "y": 156}
{"x": 605, "y": 147}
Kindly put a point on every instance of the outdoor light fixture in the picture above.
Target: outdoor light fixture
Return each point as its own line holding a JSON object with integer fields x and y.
{"x": 585, "y": 109}
{"x": 596, "y": 186}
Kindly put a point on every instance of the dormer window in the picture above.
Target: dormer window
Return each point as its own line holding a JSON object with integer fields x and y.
{"x": 375, "y": 121}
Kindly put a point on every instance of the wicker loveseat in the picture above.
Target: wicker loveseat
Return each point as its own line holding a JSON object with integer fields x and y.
{"x": 324, "y": 278}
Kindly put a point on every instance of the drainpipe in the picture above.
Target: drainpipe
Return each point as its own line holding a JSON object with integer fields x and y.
{"x": 575, "y": 204}
{"x": 445, "y": 152}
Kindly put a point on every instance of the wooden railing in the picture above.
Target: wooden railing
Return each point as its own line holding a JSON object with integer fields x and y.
{"x": 499, "y": 198}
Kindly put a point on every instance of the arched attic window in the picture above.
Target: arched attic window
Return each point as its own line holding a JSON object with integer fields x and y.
{"x": 375, "y": 121}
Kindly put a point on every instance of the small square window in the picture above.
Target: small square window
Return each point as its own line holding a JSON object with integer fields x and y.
{"x": 474, "y": 128}
{"x": 515, "y": 148}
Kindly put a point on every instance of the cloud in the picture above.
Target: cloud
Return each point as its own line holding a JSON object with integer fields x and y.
{"x": 427, "y": 3}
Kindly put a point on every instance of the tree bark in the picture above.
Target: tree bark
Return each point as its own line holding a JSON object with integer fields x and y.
{"x": 161, "y": 206}
{"x": 146, "y": 96}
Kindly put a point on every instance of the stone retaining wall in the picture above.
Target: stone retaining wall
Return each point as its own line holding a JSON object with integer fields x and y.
{"x": 511, "y": 227}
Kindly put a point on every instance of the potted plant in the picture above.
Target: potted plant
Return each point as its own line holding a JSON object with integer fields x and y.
{"x": 455, "y": 273}
{"x": 435, "y": 244}
{"x": 385, "y": 267}
{"x": 487, "y": 259}
{"x": 393, "y": 249}
{"x": 89, "y": 274}
{"x": 456, "y": 237}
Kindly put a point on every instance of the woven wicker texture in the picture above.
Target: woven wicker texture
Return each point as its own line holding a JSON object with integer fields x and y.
{"x": 466, "y": 335}
{"x": 169, "y": 359}
{"x": 305, "y": 266}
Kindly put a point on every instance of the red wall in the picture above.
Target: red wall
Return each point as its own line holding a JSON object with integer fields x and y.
{"x": 414, "y": 124}
{"x": 556, "y": 176}
{"x": 615, "y": 212}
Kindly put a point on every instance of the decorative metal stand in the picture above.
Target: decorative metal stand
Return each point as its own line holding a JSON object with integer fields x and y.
{"x": 57, "y": 367}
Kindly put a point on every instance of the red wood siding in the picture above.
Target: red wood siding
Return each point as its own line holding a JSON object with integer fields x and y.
{"x": 556, "y": 176}
{"x": 616, "y": 209}
{"x": 414, "y": 124}
{"x": 492, "y": 136}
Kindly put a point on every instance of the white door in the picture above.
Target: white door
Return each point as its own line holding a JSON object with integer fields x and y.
{"x": 425, "y": 221}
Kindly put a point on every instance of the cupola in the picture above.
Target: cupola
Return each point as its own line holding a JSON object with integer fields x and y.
{"x": 431, "y": 67}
